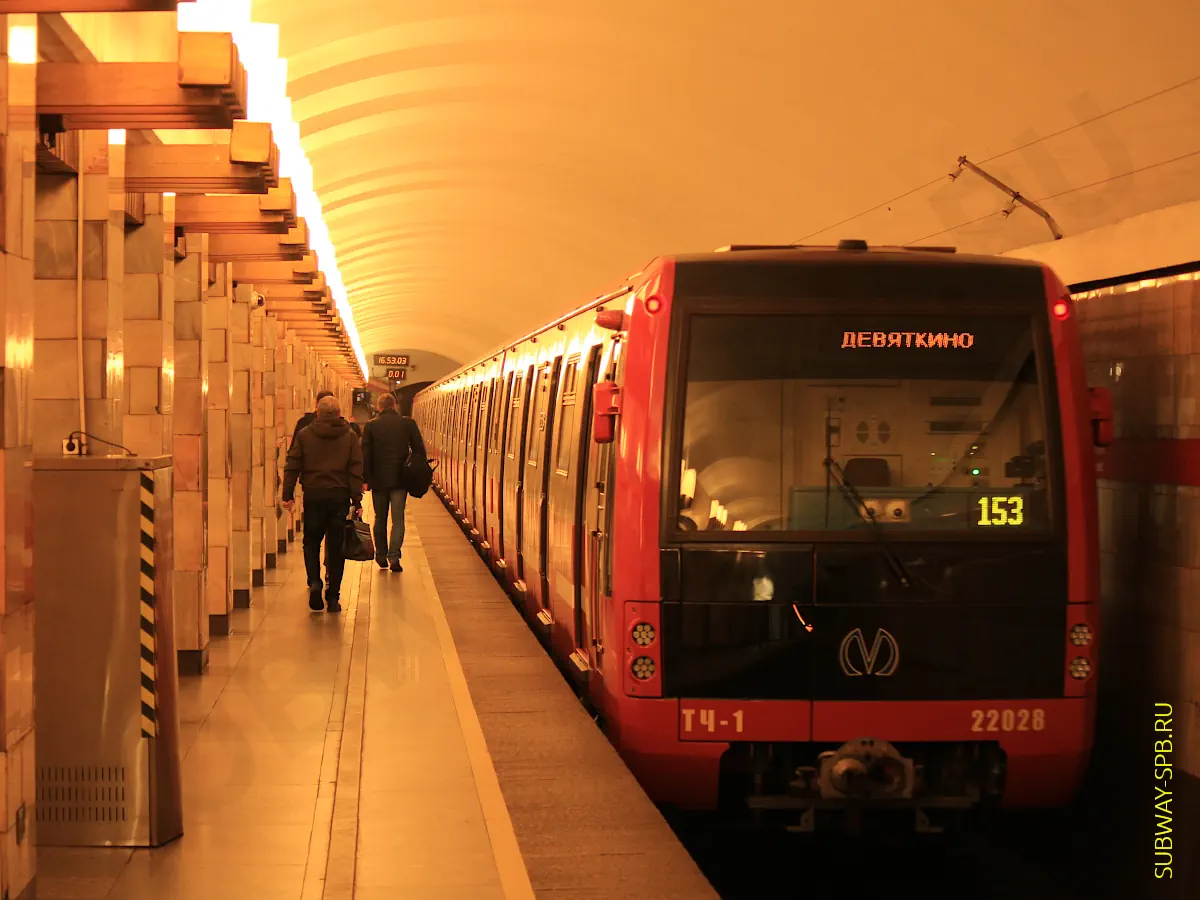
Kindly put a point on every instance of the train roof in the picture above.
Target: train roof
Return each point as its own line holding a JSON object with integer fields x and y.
{"x": 848, "y": 251}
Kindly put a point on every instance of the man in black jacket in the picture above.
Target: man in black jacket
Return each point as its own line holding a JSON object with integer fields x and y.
{"x": 309, "y": 417}
{"x": 327, "y": 460}
{"x": 387, "y": 441}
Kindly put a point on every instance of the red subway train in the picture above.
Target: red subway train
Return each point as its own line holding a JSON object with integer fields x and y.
{"x": 814, "y": 529}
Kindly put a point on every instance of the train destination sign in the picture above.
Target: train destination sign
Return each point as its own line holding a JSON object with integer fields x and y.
{"x": 863, "y": 340}
{"x": 383, "y": 359}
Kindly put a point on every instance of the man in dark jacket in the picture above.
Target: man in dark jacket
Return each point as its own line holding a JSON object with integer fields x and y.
{"x": 327, "y": 459}
{"x": 309, "y": 417}
{"x": 387, "y": 440}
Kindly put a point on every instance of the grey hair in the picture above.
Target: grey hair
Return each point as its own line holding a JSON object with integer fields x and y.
{"x": 329, "y": 408}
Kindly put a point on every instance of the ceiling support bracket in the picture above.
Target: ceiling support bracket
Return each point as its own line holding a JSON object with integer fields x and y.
{"x": 1014, "y": 196}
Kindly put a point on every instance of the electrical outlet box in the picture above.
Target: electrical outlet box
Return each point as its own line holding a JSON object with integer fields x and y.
{"x": 72, "y": 447}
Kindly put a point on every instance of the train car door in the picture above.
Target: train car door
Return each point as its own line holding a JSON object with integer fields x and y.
{"x": 496, "y": 457}
{"x": 563, "y": 477}
{"x": 596, "y": 522}
{"x": 468, "y": 452}
{"x": 519, "y": 436}
{"x": 579, "y": 524}
{"x": 452, "y": 447}
{"x": 460, "y": 453}
{"x": 541, "y": 427}
{"x": 479, "y": 459}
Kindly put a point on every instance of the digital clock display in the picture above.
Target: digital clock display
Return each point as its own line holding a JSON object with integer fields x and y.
{"x": 390, "y": 360}
{"x": 1000, "y": 511}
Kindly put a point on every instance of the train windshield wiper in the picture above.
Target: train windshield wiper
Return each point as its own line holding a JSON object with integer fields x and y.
{"x": 876, "y": 530}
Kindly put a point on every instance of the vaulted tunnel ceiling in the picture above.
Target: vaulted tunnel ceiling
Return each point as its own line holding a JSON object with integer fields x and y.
{"x": 485, "y": 165}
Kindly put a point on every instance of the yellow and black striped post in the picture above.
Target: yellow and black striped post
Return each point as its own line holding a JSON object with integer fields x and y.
{"x": 149, "y": 697}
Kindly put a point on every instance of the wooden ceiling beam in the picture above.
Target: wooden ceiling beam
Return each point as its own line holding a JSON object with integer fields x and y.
{"x": 205, "y": 88}
{"x": 292, "y": 246}
{"x": 266, "y": 273}
{"x": 247, "y": 164}
{"x": 271, "y": 213}
{"x": 48, "y": 7}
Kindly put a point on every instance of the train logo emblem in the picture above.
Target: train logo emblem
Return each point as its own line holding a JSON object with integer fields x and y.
{"x": 876, "y": 662}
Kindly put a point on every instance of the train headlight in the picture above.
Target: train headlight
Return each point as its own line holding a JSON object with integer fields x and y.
{"x": 643, "y": 634}
{"x": 643, "y": 668}
{"x": 1081, "y": 636}
{"x": 1080, "y": 668}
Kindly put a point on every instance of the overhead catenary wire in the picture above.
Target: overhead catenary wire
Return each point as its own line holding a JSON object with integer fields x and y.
{"x": 941, "y": 178}
{"x": 1082, "y": 187}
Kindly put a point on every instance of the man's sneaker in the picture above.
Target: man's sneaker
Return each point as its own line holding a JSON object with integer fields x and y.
{"x": 332, "y": 604}
{"x": 396, "y": 567}
{"x": 314, "y": 598}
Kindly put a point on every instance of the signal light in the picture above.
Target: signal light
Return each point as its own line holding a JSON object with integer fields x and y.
{"x": 1061, "y": 309}
{"x": 643, "y": 634}
{"x": 643, "y": 668}
{"x": 1081, "y": 636}
{"x": 653, "y": 305}
{"x": 1080, "y": 668}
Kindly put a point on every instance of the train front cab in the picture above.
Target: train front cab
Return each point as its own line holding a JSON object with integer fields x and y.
{"x": 923, "y": 636}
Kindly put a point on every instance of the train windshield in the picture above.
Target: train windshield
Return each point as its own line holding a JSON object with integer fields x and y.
{"x": 849, "y": 422}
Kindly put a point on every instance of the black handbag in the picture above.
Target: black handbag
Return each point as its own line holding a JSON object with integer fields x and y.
{"x": 357, "y": 545}
{"x": 418, "y": 474}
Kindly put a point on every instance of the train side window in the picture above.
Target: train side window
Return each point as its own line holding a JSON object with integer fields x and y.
{"x": 538, "y": 422}
{"x": 468, "y": 416}
{"x": 485, "y": 403}
{"x": 568, "y": 409}
{"x": 514, "y": 416}
{"x": 464, "y": 404}
{"x": 501, "y": 404}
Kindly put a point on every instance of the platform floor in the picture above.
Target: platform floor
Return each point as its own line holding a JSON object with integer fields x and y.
{"x": 325, "y": 758}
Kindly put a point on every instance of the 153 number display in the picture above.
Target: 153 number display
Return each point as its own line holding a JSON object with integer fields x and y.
{"x": 995, "y": 511}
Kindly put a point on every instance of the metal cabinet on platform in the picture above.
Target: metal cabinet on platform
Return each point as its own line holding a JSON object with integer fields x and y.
{"x": 105, "y": 679}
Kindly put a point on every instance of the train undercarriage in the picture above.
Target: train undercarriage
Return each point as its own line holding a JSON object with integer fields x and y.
{"x": 863, "y": 784}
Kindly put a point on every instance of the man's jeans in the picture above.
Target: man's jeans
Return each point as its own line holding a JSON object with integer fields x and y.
{"x": 325, "y": 520}
{"x": 395, "y": 500}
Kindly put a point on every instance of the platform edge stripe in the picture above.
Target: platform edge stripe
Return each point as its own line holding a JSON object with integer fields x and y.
{"x": 506, "y": 849}
{"x": 148, "y": 663}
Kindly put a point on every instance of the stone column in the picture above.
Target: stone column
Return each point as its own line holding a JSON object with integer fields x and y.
{"x": 258, "y": 471}
{"x": 241, "y": 444}
{"x": 191, "y": 456}
{"x": 17, "y": 763}
{"x": 271, "y": 509}
{"x": 219, "y": 344}
{"x": 149, "y": 281}
{"x": 56, "y": 410}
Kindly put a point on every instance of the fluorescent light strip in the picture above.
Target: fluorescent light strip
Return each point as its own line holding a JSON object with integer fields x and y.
{"x": 258, "y": 48}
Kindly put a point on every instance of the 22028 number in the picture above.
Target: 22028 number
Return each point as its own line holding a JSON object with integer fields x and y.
{"x": 1008, "y": 719}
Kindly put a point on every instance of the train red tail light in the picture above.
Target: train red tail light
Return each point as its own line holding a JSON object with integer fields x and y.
{"x": 1080, "y": 650}
{"x": 1061, "y": 309}
{"x": 653, "y": 304}
{"x": 643, "y": 654}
